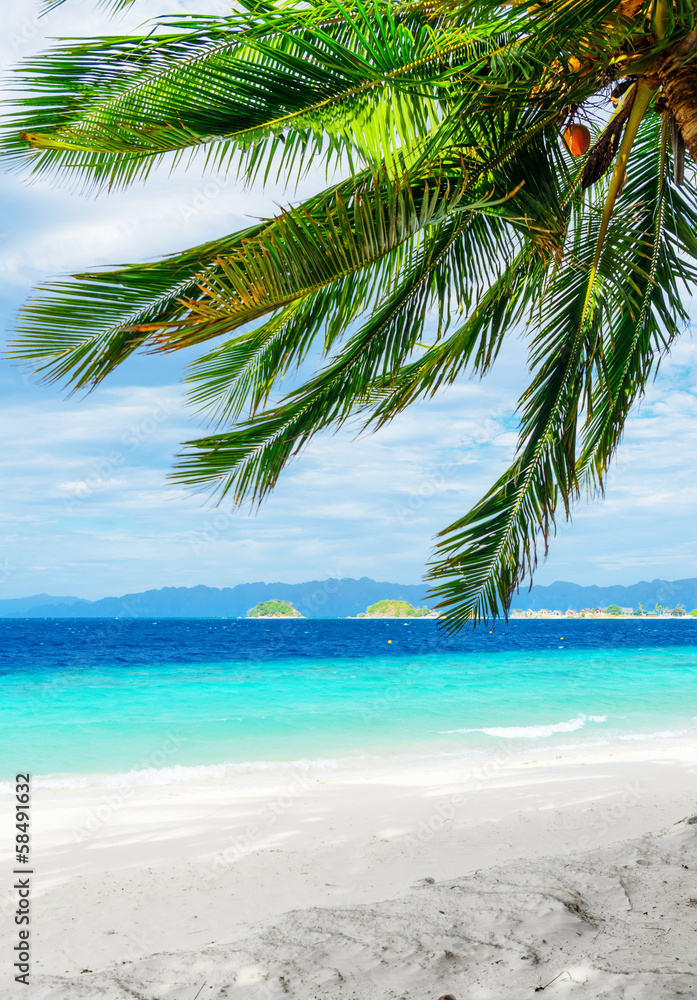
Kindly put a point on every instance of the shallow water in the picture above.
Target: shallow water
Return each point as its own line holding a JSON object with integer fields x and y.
{"x": 116, "y": 695}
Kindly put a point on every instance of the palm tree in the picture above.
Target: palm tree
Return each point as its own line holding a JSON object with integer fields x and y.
{"x": 466, "y": 210}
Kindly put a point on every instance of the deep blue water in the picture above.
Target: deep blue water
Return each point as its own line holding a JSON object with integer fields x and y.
{"x": 41, "y": 644}
{"x": 118, "y": 695}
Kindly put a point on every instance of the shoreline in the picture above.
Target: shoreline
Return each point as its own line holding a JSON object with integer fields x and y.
{"x": 359, "y": 766}
{"x": 198, "y": 875}
{"x": 578, "y": 616}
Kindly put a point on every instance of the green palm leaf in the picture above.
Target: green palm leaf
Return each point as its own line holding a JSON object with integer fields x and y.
{"x": 594, "y": 360}
{"x": 223, "y": 285}
{"x": 274, "y": 91}
{"x": 654, "y": 314}
{"x": 82, "y": 328}
{"x": 248, "y": 460}
{"x": 451, "y": 262}
{"x": 475, "y": 345}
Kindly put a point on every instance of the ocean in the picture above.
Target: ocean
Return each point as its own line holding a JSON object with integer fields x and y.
{"x": 85, "y": 700}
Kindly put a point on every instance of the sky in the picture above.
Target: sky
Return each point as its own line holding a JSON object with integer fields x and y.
{"x": 86, "y": 508}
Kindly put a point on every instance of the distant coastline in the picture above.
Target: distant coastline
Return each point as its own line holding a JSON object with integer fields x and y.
{"x": 568, "y": 615}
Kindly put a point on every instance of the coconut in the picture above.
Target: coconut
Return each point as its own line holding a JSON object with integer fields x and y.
{"x": 577, "y": 139}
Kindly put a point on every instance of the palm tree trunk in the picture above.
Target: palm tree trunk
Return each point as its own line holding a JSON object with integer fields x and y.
{"x": 679, "y": 77}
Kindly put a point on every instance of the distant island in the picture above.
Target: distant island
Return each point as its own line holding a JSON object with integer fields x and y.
{"x": 273, "y": 609}
{"x": 395, "y": 609}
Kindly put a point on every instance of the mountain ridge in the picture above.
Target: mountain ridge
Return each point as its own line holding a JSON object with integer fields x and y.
{"x": 333, "y": 598}
{"x": 565, "y": 596}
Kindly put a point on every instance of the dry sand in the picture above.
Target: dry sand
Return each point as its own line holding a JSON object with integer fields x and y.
{"x": 491, "y": 878}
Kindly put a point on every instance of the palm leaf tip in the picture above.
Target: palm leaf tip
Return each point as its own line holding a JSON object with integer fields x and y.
{"x": 112, "y": 6}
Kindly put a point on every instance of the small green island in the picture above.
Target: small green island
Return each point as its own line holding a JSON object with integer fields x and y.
{"x": 394, "y": 609}
{"x": 273, "y": 609}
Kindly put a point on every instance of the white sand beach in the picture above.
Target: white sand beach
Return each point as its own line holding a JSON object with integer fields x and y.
{"x": 492, "y": 878}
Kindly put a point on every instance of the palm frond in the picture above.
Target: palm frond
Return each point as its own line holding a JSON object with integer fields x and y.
{"x": 484, "y": 555}
{"x": 362, "y": 238}
{"x": 593, "y": 356}
{"x": 247, "y": 460}
{"x": 108, "y": 111}
{"x": 279, "y": 87}
{"x": 655, "y": 313}
{"x": 81, "y": 329}
{"x": 475, "y": 247}
{"x": 241, "y": 373}
{"x": 474, "y": 346}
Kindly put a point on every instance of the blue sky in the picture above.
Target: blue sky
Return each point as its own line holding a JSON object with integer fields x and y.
{"x": 86, "y": 506}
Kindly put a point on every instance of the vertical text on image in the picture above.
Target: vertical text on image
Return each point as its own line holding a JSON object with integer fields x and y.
{"x": 20, "y": 948}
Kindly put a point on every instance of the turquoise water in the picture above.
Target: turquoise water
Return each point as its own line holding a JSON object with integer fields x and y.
{"x": 83, "y": 713}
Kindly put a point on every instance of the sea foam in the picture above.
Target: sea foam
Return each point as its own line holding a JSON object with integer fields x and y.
{"x": 533, "y": 732}
{"x": 176, "y": 774}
